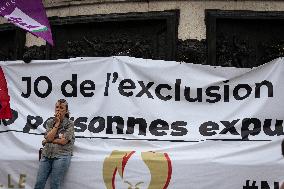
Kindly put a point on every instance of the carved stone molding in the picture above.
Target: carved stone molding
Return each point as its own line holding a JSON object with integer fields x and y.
{"x": 67, "y": 3}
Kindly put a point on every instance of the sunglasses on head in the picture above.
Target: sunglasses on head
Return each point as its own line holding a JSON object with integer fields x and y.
{"x": 62, "y": 100}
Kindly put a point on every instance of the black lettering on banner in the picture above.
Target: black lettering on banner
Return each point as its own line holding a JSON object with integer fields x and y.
{"x": 107, "y": 84}
{"x": 250, "y": 186}
{"x": 240, "y": 86}
{"x": 7, "y": 122}
{"x": 269, "y": 86}
{"x": 246, "y": 123}
{"x": 132, "y": 121}
{"x": 145, "y": 89}
{"x": 263, "y": 185}
{"x": 29, "y": 87}
{"x": 84, "y": 86}
{"x": 126, "y": 88}
{"x": 188, "y": 97}
{"x": 226, "y": 92}
{"x": 158, "y": 92}
{"x": 159, "y": 127}
{"x": 101, "y": 125}
{"x": 126, "y": 84}
{"x": 80, "y": 124}
{"x": 230, "y": 127}
{"x": 276, "y": 185}
{"x": 32, "y": 123}
{"x": 49, "y": 86}
{"x": 73, "y": 84}
{"x": 208, "y": 128}
{"x": 115, "y": 77}
{"x": 158, "y": 131}
{"x": 278, "y": 131}
{"x": 36, "y": 83}
{"x": 216, "y": 96}
{"x": 177, "y": 89}
{"x": 178, "y": 128}
{"x": 119, "y": 124}
{"x": 45, "y": 123}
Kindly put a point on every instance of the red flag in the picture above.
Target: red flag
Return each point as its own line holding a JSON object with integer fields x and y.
{"x": 5, "y": 110}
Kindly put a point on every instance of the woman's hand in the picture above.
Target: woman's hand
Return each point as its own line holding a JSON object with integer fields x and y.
{"x": 52, "y": 133}
{"x": 57, "y": 119}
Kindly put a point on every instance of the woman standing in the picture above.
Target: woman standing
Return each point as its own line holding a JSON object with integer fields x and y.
{"x": 58, "y": 148}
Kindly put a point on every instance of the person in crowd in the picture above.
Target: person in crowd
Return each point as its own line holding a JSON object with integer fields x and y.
{"x": 58, "y": 148}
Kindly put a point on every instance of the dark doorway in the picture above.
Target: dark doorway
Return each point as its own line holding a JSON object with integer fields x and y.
{"x": 244, "y": 38}
{"x": 143, "y": 35}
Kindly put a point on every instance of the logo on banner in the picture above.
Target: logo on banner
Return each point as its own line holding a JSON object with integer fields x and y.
{"x": 22, "y": 20}
{"x": 133, "y": 170}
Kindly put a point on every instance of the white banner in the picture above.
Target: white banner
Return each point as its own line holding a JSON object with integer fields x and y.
{"x": 180, "y": 125}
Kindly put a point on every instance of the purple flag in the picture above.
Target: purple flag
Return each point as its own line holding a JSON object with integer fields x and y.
{"x": 29, "y": 15}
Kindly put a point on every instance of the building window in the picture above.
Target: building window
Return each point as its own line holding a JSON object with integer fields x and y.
{"x": 143, "y": 35}
{"x": 244, "y": 38}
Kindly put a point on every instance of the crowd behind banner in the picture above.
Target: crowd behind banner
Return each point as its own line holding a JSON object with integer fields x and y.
{"x": 149, "y": 124}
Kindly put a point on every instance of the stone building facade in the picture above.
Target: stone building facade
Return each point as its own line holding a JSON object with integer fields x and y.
{"x": 240, "y": 33}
